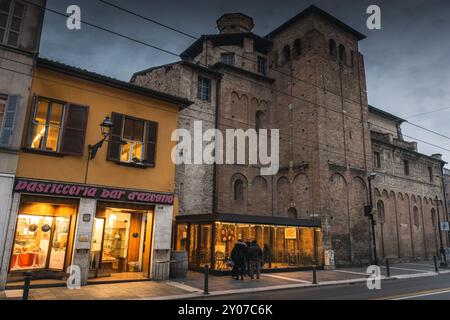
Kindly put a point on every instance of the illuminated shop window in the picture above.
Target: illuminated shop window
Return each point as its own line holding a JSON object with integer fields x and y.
{"x": 282, "y": 246}
{"x": 40, "y": 243}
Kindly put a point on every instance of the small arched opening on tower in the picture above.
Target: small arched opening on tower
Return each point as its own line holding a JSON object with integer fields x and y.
{"x": 260, "y": 120}
{"x": 297, "y": 47}
{"x": 342, "y": 54}
{"x": 238, "y": 190}
{"x": 292, "y": 213}
{"x": 332, "y": 48}
{"x": 287, "y": 53}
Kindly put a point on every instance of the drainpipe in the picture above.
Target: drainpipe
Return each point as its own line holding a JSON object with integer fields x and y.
{"x": 215, "y": 195}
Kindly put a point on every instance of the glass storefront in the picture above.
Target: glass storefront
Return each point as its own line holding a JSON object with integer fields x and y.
{"x": 283, "y": 246}
{"x": 43, "y": 237}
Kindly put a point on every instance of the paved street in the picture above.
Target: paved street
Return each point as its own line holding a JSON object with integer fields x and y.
{"x": 425, "y": 288}
{"x": 408, "y": 280}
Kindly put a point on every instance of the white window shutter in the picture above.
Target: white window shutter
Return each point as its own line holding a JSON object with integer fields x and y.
{"x": 9, "y": 120}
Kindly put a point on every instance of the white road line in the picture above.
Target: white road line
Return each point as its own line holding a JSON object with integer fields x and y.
{"x": 285, "y": 278}
{"x": 406, "y": 269}
{"x": 422, "y": 295}
{"x": 352, "y": 272}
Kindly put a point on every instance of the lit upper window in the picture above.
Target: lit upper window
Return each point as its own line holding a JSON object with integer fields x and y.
{"x": 133, "y": 140}
{"x": 46, "y": 125}
{"x": 57, "y": 127}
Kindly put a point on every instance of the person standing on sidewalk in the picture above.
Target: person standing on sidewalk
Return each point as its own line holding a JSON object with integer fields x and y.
{"x": 238, "y": 256}
{"x": 255, "y": 255}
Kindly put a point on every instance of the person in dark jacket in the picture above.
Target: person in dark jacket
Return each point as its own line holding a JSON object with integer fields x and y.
{"x": 238, "y": 256}
{"x": 255, "y": 256}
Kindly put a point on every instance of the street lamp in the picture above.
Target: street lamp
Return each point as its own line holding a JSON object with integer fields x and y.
{"x": 368, "y": 211}
{"x": 441, "y": 249}
{"x": 105, "y": 128}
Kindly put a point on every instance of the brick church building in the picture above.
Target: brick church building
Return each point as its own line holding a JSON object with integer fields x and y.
{"x": 307, "y": 79}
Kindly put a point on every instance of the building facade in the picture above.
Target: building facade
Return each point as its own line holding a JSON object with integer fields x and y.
{"x": 82, "y": 197}
{"x": 20, "y": 31}
{"x": 307, "y": 79}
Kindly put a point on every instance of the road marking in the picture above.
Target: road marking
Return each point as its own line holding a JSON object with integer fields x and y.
{"x": 285, "y": 278}
{"x": 352, "y": 272}
{"x": 406, "y": 269}
{"x": 420, "y": 294}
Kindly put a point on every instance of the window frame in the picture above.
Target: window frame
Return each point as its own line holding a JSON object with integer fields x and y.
{"x": 200, "y": 96}
{"x": 377, "y": 159}
{"x": 259, "y": 61}
{"x": 406, "y": 167}
{"x": 430, "y": 173}
{"x": 224, "y": 56}
{"x": 9, "y": 18}
{"x": 5, "y": 98}
{"x": 132, "y": 142}
{"x": 33, "y": 123}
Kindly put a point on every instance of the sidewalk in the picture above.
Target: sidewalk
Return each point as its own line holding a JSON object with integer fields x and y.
{"x": 192, "y": 286}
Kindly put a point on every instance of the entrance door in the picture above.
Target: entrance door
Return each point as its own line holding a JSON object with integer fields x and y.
{"x": 121, "y": 243}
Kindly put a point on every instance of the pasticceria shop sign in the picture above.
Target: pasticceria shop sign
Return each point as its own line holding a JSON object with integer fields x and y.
{"x": 51, "y": 188}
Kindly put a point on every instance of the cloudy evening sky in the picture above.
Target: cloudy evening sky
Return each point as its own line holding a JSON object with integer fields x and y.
{"x": 407, "y": 61}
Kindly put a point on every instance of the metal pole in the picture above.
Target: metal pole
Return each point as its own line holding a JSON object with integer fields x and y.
{"x": 435, "y": 264}
{"x": 372, "y": 221}
{"x": 26, "y": 286}
{"x": 441, "y": 249}
{"x": 314, "y": 275}
{"x": 388, "y": 269}
{"x": 205, "y": 289}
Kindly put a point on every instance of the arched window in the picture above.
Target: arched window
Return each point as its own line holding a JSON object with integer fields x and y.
{"x": 433, "y": 218}
{"x": 333, "y": 48}
{"x": 292, "y": 213}
{"x": 342, "y": 54}
{"x": 287, "y": 53}
{"x": 238, "y": 190}
{"x": 380, "y": 210}
{"x": 260, "y": 120}
{"x": 416, "y": 216}
{"x": 298, "y": 47}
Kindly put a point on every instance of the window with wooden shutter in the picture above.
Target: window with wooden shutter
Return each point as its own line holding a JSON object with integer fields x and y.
{"x": 8, "y": 120}
{"x": 150, "y": 150}
{"x": 74, "y": 130}
{"x": 115, "y": 139}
